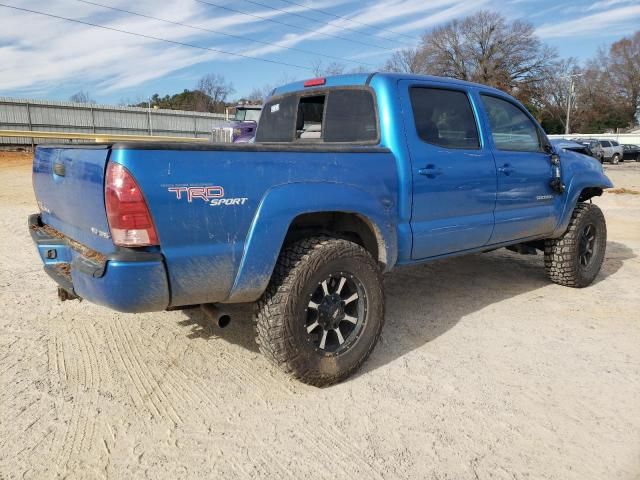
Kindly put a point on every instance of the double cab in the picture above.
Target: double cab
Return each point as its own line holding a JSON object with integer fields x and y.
{"x": 349, "y": 177}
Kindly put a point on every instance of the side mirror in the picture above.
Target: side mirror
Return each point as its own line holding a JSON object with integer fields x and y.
{"x": 556, "y": 182}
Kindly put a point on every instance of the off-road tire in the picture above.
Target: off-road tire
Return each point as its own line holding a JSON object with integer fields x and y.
{"x": 615, "y": 160}
{"x": 280, "y": 318}
{"x": 562, "y": 255}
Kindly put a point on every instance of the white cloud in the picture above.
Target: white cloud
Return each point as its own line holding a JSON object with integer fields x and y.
{"x": 602, "y": 4}
{"x": 37, "y": 52}
{"x": 618, "y": 21}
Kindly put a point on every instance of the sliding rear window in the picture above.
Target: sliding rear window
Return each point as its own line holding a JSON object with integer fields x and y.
{"x": 338, "y": 115}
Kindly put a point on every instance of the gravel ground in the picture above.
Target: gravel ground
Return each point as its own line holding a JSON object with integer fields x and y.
{"x": 485, "y": 370}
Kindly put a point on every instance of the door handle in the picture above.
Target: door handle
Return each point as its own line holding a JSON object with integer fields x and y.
{"x": 506, "y": 169}
{"x": 430, "y": 171}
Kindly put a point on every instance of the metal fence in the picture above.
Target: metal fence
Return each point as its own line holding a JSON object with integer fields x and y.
{"x": 56, "y": 116}
{"x": 621, "y": 138}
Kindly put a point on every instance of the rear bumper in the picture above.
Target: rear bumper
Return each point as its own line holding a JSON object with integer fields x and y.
{"x": 126, "y": 281}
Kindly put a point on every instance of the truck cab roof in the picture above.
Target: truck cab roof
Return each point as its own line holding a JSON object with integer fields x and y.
{"x": 365, "y": 79}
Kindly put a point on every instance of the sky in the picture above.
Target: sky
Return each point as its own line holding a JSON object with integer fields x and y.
{"x": 52, "y": 58}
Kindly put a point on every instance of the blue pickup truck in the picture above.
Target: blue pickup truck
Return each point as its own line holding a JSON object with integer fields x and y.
{"x": 349, "y": 177}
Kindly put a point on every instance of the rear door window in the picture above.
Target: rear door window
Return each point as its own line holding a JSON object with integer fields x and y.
{"x": 511, "y": 128}
{"x": 444, "y": 117}
{"x": 605, "y": 143}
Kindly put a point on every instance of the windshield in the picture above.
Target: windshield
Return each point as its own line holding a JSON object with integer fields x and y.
{"x": 244, "y": 115}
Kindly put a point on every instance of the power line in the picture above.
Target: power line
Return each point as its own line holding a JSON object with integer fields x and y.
{"x": 349, "y": 19}
{"x": 224, "y": 7}
{"x": 323, "y": 23}
{"x": 150, "y": 37}
{"x": 241, "y": 37}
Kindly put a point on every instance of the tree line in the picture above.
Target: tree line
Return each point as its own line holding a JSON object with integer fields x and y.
{"x": 603, "y": 93}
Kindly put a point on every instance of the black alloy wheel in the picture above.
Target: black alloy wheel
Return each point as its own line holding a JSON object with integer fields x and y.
{"x": 336, "y": 313}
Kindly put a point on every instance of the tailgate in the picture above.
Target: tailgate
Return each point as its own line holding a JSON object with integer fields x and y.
{"x": 69, "y": 187}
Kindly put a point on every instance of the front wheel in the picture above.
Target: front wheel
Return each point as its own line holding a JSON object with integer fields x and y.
{"x": 615, "y": 159}
{"x": 323, "y": 311}
{"x": 575, "y": 259}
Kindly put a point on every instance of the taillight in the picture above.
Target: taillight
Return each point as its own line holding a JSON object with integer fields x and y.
{"x": 128, "y": 214}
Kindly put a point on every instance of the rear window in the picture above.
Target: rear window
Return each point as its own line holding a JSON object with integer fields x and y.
{"x": 341, "y": 115}
{"x": 277, "y": 123}
{"x": 350, "y": 117}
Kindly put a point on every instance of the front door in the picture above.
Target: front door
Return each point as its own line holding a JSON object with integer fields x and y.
{"x": 454, "y": 174}
{"x": 525, "y": 201}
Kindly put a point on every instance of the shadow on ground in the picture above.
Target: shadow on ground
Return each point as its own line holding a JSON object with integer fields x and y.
{"x": 425, "y": 301}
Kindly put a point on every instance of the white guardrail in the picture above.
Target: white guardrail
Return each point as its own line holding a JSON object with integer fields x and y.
{"x": 621, "y": 138}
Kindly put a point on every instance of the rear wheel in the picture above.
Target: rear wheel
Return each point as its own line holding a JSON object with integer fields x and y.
{"x": 323, "y": 311}
{"x": 575, "y": 259}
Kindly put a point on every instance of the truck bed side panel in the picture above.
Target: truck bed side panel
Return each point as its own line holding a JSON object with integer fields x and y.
{"x": 203, "y": 235}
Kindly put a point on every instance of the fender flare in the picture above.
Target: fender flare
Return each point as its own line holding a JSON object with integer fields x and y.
{"x": 576, "y": 186}
{"x": 278, "y": 209}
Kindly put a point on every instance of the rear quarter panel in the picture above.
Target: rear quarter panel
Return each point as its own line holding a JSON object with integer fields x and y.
{"x": 207, "y": 244}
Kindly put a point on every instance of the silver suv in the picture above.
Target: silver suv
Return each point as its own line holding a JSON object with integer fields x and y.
{"x": 613, "y": 151}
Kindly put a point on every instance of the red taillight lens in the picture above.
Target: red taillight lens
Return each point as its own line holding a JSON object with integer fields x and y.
{"x": 315, "y": 82}
{"x": 129, "y": 218}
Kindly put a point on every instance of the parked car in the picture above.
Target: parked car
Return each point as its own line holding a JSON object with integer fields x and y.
{"x": 631, "y": 152}
{"x": 594, "y": 147}
{"x": 613, "y": 151}
{"x": 572, "y": 146}
{"x": 349, "y": 177}
{"x": 242, "y": 128}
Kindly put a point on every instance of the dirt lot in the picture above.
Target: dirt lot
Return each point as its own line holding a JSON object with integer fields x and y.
{"x": 485, "y": 370}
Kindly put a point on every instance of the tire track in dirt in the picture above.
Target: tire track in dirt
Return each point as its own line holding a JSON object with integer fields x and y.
{"x": 76, "y": 379}
{"x": 344, "y": 444}
{"x": 96, "y": 381}
{"x": 134, "y": 373}
{"x": 136, "y": 394}
{"x": 249, "y": 380}
{"x": 155, "y": 385}
{"x": 232, "y": 363}
{"x": 180, "y": 382}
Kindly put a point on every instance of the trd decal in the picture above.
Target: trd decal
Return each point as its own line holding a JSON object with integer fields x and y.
{"x": 213, "y": 195}
{"x": 204, "y": 193}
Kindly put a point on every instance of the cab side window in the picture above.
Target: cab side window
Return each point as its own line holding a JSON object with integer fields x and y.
{"x": 444, "y": 117}
{"x": 511, "y": 128}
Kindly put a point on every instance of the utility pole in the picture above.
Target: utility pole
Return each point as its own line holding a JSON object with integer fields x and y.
{"x": 567, "y": 128}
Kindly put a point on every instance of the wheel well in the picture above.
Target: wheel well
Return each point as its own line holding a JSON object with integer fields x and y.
{"x": 589, "y": 192}
{"x": 350, "y": 226}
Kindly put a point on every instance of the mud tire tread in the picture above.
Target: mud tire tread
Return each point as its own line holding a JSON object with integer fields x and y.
{"x": 560, "y": 254}
{"x": 294, "y": 267}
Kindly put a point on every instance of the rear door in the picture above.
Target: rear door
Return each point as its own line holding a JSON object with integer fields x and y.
{"x": 525, "y": 200}
{"x": 607, "y": 148}
{"x": 454, "y": 174}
